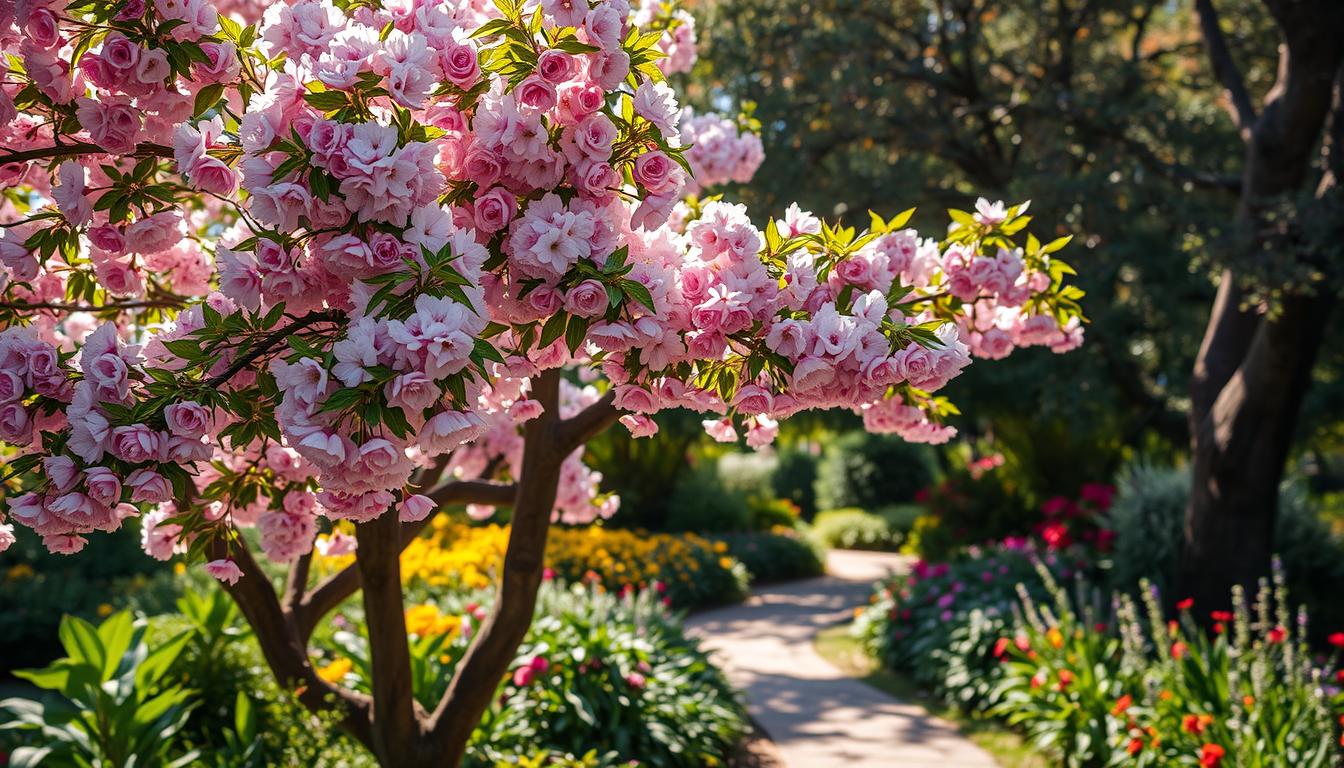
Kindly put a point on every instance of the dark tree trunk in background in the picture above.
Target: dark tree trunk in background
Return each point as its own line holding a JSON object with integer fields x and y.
{"x": 1254, "y": 365}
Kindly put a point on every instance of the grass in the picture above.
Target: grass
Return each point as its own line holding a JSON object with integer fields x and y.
{"x": 845, "y": 651}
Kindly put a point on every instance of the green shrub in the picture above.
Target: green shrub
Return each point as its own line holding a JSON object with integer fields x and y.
{"x": 778, "y": 555}
{"x": 795, "y": 480}
{"x": 748, "y": 474}
{"x": 854, "y": 529}
{"x": 869, "y": 471}
{"x": 937, "y": 623}
{"x": 767, "y": 513}
{"x": 116, "y": 704}
{"x": 37, "y": 588}
{"x": 900, "y": 517}
{"x": 701, "y": 503}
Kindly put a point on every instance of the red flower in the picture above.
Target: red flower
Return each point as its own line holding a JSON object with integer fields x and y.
{"x": 1065, "y": 679}
{"x": 1278, "y": 634}
{"x": 1055, "y": 505}
{"x": 1194, "y": 724}
{"x": 1336, "y": 639}
{"x": 1122, "y": 704}
{"x": 1056, "y": 536}
{"x": 1000, "y": 647}
{"x": 1178, "y": 650}
{"x": 1211, "y": 755}
{"x": 1186, "y": 604}
{"x": 1223, "y": 616}
{"x": 1135, "y": 746}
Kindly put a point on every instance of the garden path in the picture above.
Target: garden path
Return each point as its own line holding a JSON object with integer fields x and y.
{"x": 816, "y": 715}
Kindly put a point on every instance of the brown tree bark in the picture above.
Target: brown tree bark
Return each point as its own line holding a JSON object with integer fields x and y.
{"x": 1254, "y": 364}
{"x": 391, "y": 723}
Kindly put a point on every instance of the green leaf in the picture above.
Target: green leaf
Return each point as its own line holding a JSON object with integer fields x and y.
{"x": 206, "y": 98}
{"x": 575, "y": 332}
{"x": 554, "y": 328}
{"x": 326, "y": 101}
{"x": 81, "y": 642}
{"x": 640, "y": 294}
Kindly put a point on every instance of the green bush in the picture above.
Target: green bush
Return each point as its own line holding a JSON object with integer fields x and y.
{"x": 778, "y": 555}
{"x": 854, "y": 529}
{"x": 701, "y": 503}
{"x": 748, "y": 474}
{"x": 869, "y": 471}
{"x": 37, "y": 588}
{"x": 795, "y": 480}
{"x": 900, "y": 517}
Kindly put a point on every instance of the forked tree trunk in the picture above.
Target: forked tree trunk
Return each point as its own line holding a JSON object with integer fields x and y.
{"x": 1254, "y": 366}
{"x": 390, "y": 722}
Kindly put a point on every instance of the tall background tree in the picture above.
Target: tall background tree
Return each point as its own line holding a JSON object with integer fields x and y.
{"x": 1275, "y": 294}
{"x": 1111, "y": 115}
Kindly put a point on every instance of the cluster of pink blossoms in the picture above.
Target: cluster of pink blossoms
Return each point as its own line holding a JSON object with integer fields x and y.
{"x": 279, "y": 261}
{"x": 720, "y": 152}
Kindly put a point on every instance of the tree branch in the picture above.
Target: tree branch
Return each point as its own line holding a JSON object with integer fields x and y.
{"x": 285, "y": 653}
{"x": 272, "y": 339}
{"x": 296, "y": 582}
{"x": 145, "y": 149}
{"x": 1225, "y": 68}
{"x": 64, "y": 307}
{"x": 332, "y": 591}
{"x": 479, "y": 672}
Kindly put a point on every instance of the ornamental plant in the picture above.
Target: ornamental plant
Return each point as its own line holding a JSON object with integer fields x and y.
{"x": 330, "y": 264}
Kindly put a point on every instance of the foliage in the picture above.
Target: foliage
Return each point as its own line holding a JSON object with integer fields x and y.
{"x": 780, "y": 554}
{"x": 1148, "y": 520}
{"x": 795, "y": 480}
{"x": 612, "y": 674}
{"x": 694, "y": 570}
{"x": 1140, "y": 690}
{"x": 937, "y": 622}
{"x": 117, "y": 704}
{"x": 853, "y": 528}
{"x": 869, "y": 471}
{"x": 37, "y": 588}
{"x": 702, "y": 503}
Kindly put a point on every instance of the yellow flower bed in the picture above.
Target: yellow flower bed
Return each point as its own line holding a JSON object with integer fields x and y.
{"x": 453, "y": 555}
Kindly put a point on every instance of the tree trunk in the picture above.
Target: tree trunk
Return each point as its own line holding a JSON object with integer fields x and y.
{"x": 1254, "y": 365}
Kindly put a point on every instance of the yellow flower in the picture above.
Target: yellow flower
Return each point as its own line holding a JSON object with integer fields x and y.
{"x": 105, "y": 609}
{"x": 1055, "y": 638}
{"x": 179, "y": 568}
{"x": 336, "y": 670}
{"x": 19, "y": 571}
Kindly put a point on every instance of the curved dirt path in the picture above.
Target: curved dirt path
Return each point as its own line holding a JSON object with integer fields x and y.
{"x": 816, "y": 715}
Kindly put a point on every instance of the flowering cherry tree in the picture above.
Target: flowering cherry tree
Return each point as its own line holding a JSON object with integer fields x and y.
{"x": 332, "y": 262}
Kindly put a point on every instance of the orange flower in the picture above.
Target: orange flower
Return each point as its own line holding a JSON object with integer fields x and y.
{"x": 1164, "y": 695}
{"x": 1055, "y": 638}
{"x": 1211, "y": 755}
{"x": 1135, "y": 746}
{"x": 1248, "y": 701}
